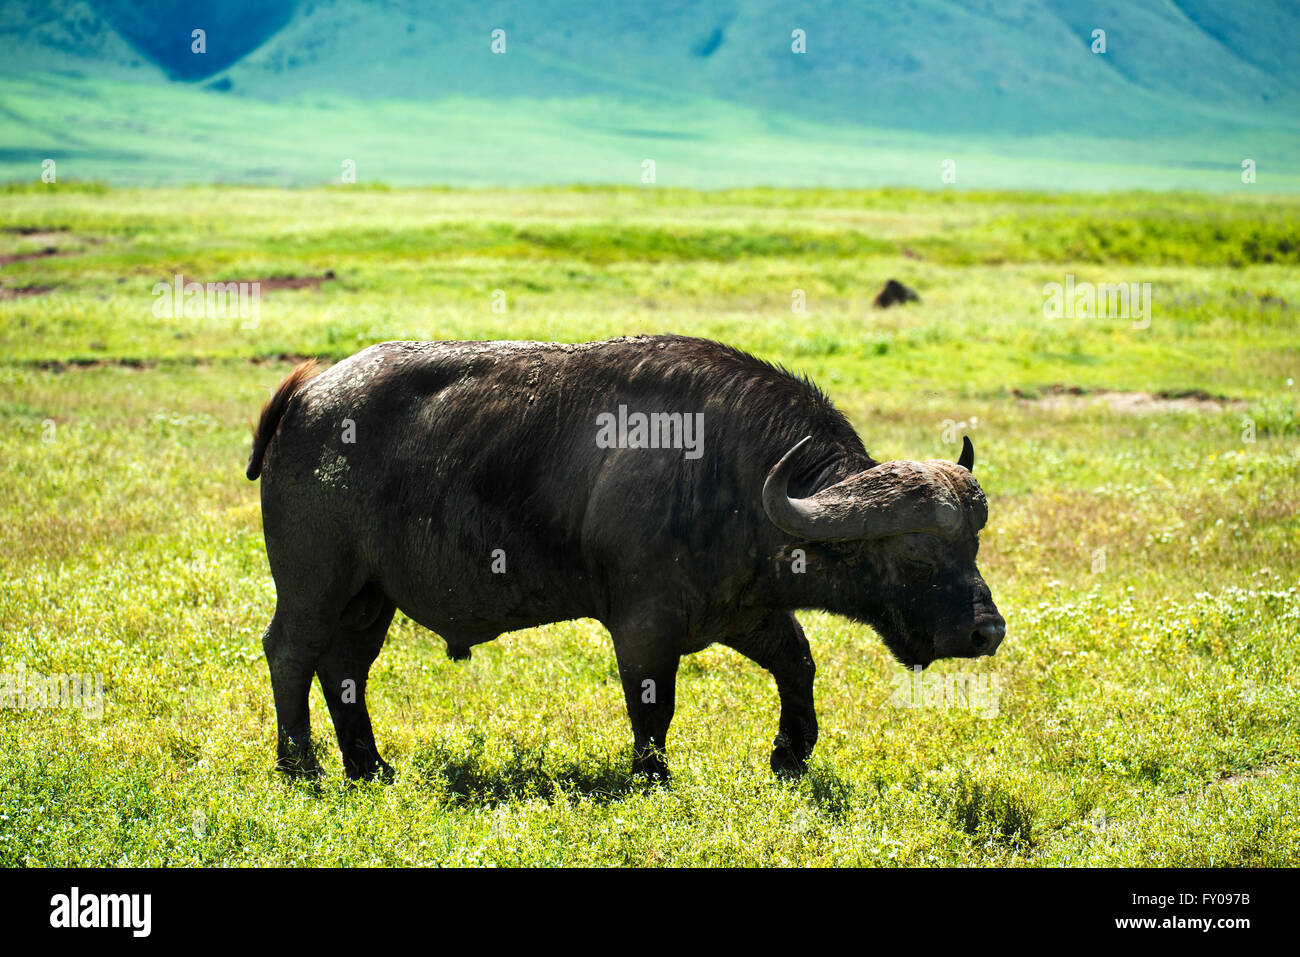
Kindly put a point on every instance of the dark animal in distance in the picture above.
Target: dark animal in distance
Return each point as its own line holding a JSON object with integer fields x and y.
{"x": 467, "y": 484}
{"x": 894, "y": 293}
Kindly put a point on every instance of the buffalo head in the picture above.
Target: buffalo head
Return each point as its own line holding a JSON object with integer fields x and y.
{"x": 898, "y": 543}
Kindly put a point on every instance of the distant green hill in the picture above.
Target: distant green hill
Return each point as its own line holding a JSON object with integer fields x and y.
{"x": 285, "y": 91}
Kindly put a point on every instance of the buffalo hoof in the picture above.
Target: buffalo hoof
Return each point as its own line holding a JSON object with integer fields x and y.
{"x": 653, "y": 768}
{"x": 380, "y": 771}
{"x": 298, "y": 768}
{"x": 786, "y": 761}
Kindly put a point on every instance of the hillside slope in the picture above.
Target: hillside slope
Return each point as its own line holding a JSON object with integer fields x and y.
{"x": 1220, "y": 76}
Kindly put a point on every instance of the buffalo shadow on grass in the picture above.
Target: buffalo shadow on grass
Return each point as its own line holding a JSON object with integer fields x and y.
{"x": 832, "y": 794}
{"x": 474, "y": 778}
{"x": 991, "y": 808}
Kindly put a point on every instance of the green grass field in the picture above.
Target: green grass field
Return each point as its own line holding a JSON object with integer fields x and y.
{"x": 1143, "y": 542}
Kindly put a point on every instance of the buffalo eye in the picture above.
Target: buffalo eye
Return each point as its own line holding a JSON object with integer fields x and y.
{"x": 921, "y": 569}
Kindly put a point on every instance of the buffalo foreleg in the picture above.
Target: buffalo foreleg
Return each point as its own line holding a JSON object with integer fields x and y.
{"x": 647, "y": 666}
{"x": 777, "y": 643}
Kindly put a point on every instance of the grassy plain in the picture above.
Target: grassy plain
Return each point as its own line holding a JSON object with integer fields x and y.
{"x": 1143, "y": 542}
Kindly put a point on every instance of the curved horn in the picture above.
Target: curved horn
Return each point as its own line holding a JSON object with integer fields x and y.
{"x": 889, "y": 499}
{"x": 967, "y": 458}
{"x": 805, "y": 518}
{"x": 792, "y": 516}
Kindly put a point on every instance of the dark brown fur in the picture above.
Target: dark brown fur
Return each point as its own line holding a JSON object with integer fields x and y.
{"x": 456, "y": 453}
{"x": 893, "y": 294}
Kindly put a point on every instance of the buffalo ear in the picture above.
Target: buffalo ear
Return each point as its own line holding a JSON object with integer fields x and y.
{"x": 967, "y": 459}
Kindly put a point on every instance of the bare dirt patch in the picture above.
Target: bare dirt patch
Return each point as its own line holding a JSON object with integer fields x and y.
{"x": 56, "y": 242}
{"x": 288, "y": 282}
{"x": 1248, "y": 775}
{"x": 37, "y": 254}
{"x": 1138, "y": 403}
{"x": 64, "y": 365}
{"x": 40, "y": 234}
{"x": 139, "y": 364}
{"x": 21, "y": 292}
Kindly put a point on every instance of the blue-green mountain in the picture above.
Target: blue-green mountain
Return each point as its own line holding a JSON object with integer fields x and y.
{"x": 1035, "y": 93}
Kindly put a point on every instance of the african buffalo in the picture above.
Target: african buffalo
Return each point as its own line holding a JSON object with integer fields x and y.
{"x": 678, "y": 490}
{"x": 894, "y": 293}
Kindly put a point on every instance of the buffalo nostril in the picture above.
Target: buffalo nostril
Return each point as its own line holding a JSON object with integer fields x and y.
{"x": 988, "y": 636}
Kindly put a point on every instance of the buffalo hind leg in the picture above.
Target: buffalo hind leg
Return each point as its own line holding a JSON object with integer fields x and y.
{"x": 647, "y": 666}
{"x": 777, "y": 643}
{"x": 343, "y": 671}
{"x": 292, "y": 647}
